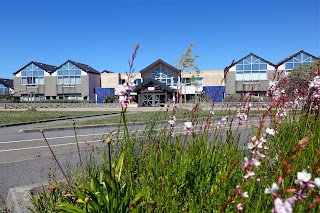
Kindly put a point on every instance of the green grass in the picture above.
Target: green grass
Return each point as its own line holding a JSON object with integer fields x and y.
{"x": 157, "y": 116}
{"x": 13, "y": 117}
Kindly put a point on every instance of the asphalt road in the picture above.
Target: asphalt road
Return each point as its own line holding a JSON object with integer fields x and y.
{"x": 25, "y": 158}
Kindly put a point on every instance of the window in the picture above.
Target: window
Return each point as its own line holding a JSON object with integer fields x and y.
{"x": 163, "y": 75}
{"x": 301, "y": 59}
{"x": 137, "y": 81}
{"x": 32, "y": 75}
{"x": 3, "y": 89}
{"x": 251, "y": 69}
{"x": 69, "y": 75}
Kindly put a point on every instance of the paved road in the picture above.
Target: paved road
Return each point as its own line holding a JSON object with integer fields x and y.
{"x": 26, "y": 159}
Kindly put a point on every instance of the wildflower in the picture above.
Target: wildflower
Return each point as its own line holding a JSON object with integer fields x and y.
{"x": 303, "y": 176}
{"x": 172, "y": 120}
{"x": 281, "y": 207}
{"x": 270, "y": 131}
{"x": 274, "y": 188}
{"x": 317, "y": 182}
{"x": 245, "y": 195}
{"x": 240, "y": 206}
{"x": 304, "y": 179}
{"x": 211, "y": 112}
{"x": 248, "y": 175}
{"x": 188, "y": 128}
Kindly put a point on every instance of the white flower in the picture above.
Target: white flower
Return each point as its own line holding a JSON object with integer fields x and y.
{"x": 250, "y": 146}
{"x": 171, "y": 122}
{"x": 187, "y": 125}
{"x": 211, "y": 112}
{"x": 274, "y": 188}
{"x": 256, "y": 162}
{"x": 303, "y": 176}
{"x": 270, "y": 131}
{"x": 245, "y": 195}
{"x": 282, "y": 207}
{"x": 317, "y": 182}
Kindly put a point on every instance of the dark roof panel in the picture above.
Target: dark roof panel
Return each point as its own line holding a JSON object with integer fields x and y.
{"x": 159, "y": 61}
{"x": 294, "y": 55}
{"x": 47, "y": 67}
{"x": 84, "y": 67}
{"x": 155, "y": 82}
{"x": 268, "y": 62}
{"x": 7, "y": 82}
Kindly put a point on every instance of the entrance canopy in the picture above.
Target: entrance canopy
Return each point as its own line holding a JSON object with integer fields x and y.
{"x": 153, "y": 93}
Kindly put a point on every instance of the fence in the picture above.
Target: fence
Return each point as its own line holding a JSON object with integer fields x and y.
{"x": 8, "y": 106}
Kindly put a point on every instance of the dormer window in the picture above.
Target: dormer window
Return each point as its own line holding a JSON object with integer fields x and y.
{"x": 163, "y": 75}
{"x": 32, "y": 75}
{"x": 69, "y": 75}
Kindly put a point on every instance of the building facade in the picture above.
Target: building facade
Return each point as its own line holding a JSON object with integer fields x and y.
{"x": 71, "y": 80}
{"x": 6, "y": 86}
{"x": 253, "y": 73}
{"x": 158, "y": 83}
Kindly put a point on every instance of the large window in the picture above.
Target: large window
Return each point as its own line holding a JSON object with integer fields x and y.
{"x": 69, "y": 75}
{"x": 251, "y": 69}
{"x": 32, "y": 75}
{"x": 301, "y": 59}
{"x": 163, "y": 75}
{"x": 3, "y": 89}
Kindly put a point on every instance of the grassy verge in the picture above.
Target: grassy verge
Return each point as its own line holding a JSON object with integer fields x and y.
{"x": 9, "y": 117}
{"x": 156, "y": 116}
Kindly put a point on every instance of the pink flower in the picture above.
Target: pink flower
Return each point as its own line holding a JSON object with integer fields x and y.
{"x": 281, "y": 207}
{"x": 240, "y": 206}
{"x": 248, "y": 175}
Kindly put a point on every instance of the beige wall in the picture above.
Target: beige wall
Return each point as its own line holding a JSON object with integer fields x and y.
{"x": 109, "y": 80}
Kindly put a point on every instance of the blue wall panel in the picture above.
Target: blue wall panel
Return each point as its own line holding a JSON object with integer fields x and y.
{"x": 103, "y": 92}
{"x": 215, "y": 92}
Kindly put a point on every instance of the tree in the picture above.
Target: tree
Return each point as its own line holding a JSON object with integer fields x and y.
{"x": 187, "y": 63}
{"x": 298, "y": 79}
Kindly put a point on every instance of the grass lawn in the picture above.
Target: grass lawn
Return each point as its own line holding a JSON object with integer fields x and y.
{"x": 156, "y": 116}
{"x": 9, "y": 117}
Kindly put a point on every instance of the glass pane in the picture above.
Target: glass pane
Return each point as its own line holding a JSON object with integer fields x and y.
{"x": 296, "y": 65}
{"x": 239, "y": 67}
{"x": 255, "y": 75}
{"x": 59, "y": 72}
{"x": 289, "y": 65}
{"x": 263, "y": 66}
{"x": 255, "y": 66}
{"x": 65, "y": 72}
{"x": 71, "y": 72}
{"x": 65, "y": 80}
{"x": 78, "y": 80}
{"x": 72, "y": 80}
{"x": 24, "y": 80}
{"x": 23, "y": 73}
{"x": 78, "y": 72}
{"x": 29, "y": 73}
{"x": 263, "y": 75}
{"x": 35, "y": 73}
{"x": 41, "y": 73}
{"x": 247, "y": 67}
{"x": 60, "y": 81}
{"x": 247, "y": 76}
{"x": 239, "y": 76}
{"x": 305, "y": 57}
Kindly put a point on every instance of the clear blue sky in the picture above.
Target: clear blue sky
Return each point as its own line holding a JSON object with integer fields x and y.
{"x": 103, "y": 33}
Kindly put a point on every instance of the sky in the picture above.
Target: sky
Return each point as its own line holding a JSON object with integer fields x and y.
{"x": 103, "y": 33}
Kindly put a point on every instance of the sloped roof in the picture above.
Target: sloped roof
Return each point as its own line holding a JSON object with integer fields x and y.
{"x": 268, "y": 62}
{"x": 294, "y": 55}
{"x": 47, "y": 67}
{"x": 155, "y": 82}
{"x": 6, "y": 82}
{"x": 107, "y": 71}
{"x": 159, "y": 61}
{"x": 82, "y": 66}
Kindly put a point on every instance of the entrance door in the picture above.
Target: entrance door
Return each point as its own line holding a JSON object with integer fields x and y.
{"x": 152, "y": 100}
